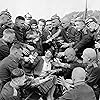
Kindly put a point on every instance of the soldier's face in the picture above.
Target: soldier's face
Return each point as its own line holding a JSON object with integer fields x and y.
{"x": 91, "y": 26}
{"x": 85, "y": 59}
{"x": 55, "y": 22}
{"x": 69, "y": 57}
{"x": 65, "y": 23}
{"x": 79, "y": 25}
{"x": 48, "y": 54}
{"x": 19, "y": 53}
{"x": 48, "y": 25}
{"x": 41, "y": 25}
{"x": 4, "y": 19}
{"x": 20, "y": 23}
{"x": 34, "y": 26}
{"x": 11, "y": 38}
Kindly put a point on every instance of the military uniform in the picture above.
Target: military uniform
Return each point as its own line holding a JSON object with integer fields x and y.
{"x": 6, "y": 66}
{"x": 4, "y": 49}
{"x": 79, "y": 92}
{"x": 8, "y": 93}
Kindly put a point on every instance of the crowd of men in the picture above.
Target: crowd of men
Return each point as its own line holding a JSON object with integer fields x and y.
{"x": 49, "y": 59}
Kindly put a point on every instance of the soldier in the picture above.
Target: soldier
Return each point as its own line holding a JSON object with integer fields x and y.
{"x": 5, "y": 18}
{"x": 8, "y": 38}
{"x": 87, "y": 38}
{"x": 11, "y": 90}
{"x": 94, "y": 27}
{"x": 43, "y": 35}
{"x": 9, "y": 63}
{"x": 80, "y": 91}
{"x": 19, "y": 28}
{"x": 71, "y": 62}
{"x": 92, "y": 69}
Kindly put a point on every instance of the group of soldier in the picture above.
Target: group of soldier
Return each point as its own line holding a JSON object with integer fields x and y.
{"x": 49, "y": 59}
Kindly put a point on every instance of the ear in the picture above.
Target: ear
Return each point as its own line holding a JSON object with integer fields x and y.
{"x": 89, "y": 59}
{"x": 16, "y": 53}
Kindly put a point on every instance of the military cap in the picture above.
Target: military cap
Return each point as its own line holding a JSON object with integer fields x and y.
{"x": 28, "y": 15}
{"x": 55, "y": 17}
{"x": 33, "y": 21}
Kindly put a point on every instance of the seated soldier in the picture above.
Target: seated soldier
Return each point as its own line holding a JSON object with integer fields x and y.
{"x": 10, "y": 90}
{"x": 81, "y": 90}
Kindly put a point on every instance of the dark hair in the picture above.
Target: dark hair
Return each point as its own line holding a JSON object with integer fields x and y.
{"x": 20, "y": 17}
{"x": 48, "y": 20}
{"x": 17, "y": 73}
{"x": 33, "y": 21}
{"x": 42, "y": 20}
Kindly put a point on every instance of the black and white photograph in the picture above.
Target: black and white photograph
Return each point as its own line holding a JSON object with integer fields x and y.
{"x": 50, "y": 50}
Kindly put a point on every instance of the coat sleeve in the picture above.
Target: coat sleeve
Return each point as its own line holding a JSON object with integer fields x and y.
{"x": 94, "y": 77}
{"x": 84, "y": 42}
{"x": 4, "y": 51}
{"x": 38, "y": 67}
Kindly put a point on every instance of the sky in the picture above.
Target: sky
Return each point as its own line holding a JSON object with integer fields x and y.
{"x": 46, "y": 8}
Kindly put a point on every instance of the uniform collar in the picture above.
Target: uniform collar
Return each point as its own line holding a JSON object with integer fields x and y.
{"x": 79, "y": 83}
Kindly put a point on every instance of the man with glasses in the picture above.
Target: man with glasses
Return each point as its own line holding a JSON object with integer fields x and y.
{"x": 94, "y": 27}
{"x": 87, "y": 38}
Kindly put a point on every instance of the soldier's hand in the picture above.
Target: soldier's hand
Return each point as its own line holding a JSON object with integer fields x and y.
{"x": 56, "y": 64}
{"x": 60, "y": 54}
{"x": 65, "y": 45}
{"x": 49, "y": 40}
{"x": 60, "y": 80}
